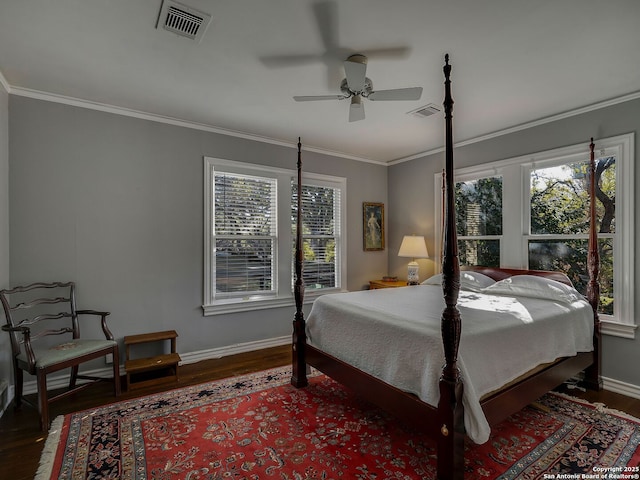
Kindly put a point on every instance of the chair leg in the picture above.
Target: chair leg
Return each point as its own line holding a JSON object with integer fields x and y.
{"x": 19, "y": 378}
{"x": 43, "y": 400}
{"x": 116, "y": 373}
{"x": 74, "y": 377}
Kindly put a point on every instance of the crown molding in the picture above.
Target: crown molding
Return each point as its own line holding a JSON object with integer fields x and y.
{"x": 525, "y": 126}
{"x": 77, "y": 102}
{"x": 128, "y": 112}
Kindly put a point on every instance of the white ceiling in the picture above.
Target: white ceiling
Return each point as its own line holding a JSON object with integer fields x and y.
{"x": 514, "y": 62}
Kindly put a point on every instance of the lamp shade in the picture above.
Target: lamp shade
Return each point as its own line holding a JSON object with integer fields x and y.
{"x": 413, "y": 246}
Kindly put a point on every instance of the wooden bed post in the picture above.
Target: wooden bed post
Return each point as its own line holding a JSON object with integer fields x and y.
{"x": 299, "y": 340}
{"x": 450, "y": 410}
{"x": 592, "y": 378}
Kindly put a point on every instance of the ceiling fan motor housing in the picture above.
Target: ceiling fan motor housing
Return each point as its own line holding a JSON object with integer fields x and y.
{"x": 368, "y": 88}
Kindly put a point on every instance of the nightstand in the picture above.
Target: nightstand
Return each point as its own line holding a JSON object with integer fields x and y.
{"x": 374, "y": 284}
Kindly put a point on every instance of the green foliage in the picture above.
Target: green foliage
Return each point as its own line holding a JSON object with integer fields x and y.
{"x": 479, "y": 206}
{"x": 560, "y": 198}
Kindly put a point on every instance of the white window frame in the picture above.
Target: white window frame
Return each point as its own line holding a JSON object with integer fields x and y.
{"x": 515, "y": 215}
{"x": 282, "y": 276}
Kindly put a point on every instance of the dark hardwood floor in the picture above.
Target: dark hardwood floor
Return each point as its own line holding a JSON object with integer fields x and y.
{"x": 21, "y": 441}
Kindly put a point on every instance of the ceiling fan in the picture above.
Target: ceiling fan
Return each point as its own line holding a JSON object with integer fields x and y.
{"x": 357, "y": 86}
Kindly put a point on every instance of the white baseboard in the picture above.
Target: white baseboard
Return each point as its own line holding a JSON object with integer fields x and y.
{"x": 622, "y": 388}
{"x": 62, "y": 381}
{"x": 220, "y": 352}
{"x": 6, "y": 396}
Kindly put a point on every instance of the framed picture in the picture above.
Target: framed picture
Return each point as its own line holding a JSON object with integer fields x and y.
{"x": 373, "y": 226}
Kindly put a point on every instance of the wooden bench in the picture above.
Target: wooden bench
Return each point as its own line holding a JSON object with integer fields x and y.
{"x": 155, "y": 370}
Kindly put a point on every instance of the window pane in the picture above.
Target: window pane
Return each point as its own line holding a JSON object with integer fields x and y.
{"x": 244, "y": 265}
{"x": 244, "y": 205}
{"x": 560, "y": 198}
{"x": 479, "y": 252}
{"x": 320, "y": 233}
{"x": 479, "y": 207}
{"x": 319, "y": 269}
{"x": 570, "y": 256}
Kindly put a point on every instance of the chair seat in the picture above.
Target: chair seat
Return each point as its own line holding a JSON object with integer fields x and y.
{"x": 47, "y": 357}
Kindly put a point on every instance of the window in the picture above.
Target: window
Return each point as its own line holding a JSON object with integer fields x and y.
{"x": 320, "y": 235}
{"x": 479, "y": 220}
{"x": 244, "y": 235}
{"x": 250, "y": 213}
{"x": 543, "y": 221}
{"x": 559, "y": 222}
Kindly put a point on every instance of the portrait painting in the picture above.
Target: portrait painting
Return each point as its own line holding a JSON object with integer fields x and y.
{"x": 373, "y": 226}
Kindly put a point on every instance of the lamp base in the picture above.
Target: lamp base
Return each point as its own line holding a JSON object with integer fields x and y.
{"x": 412, "y": 275}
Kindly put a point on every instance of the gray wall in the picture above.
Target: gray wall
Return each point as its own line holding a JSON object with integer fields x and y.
{"x": 5, "y": 348}
{"x": 411, "y": 187}
{"x": 116, "y": 204}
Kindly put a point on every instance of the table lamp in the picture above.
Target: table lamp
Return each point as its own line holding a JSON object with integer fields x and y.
{"x": 413, "y": 246}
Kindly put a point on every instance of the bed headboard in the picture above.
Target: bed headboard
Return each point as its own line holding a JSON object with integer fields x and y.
{"x": 502, "y": 273}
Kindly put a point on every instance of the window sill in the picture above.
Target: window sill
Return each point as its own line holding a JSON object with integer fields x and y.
{"x": 261, "y": 303}
{"x": 616, "y": 329}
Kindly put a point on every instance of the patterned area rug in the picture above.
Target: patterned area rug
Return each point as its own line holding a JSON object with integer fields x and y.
{"x": 257, "y": 426}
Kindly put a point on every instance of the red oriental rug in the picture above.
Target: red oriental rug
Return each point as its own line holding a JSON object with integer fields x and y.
{"x": 258, "y": 426}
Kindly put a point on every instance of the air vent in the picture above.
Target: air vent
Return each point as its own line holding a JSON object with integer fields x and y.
{"x": 425, "y": 111}
{"x": 183, "y": 20}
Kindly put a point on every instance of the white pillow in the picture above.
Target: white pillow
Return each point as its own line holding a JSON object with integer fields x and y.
{"x": 472, "y": 281}
{"x": 535, "y": 287}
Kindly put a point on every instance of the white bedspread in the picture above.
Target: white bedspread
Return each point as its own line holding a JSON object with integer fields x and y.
{"x": 394, "y": 334}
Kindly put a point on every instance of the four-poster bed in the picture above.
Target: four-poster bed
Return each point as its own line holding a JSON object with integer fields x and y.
{"x": 454, "y": 402}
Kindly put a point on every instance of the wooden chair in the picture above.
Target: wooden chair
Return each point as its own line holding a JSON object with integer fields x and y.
{"x": 42, "y": 321}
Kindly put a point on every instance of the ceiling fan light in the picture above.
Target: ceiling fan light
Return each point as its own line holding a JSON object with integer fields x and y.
{"x": 356, "y": 109}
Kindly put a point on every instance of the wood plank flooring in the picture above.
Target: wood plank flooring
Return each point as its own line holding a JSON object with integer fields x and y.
{"x": 21, "y": 441}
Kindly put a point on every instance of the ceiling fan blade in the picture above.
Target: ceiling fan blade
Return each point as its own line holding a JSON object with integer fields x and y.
{"x": 356, "y": 109}
{"x": 390, "y": 52}
{"x": 355, "y": 68}
{"x": 412, "y": 93}
{"x": 311, "y": 98}
{"x": 293, "y": 60}
{"x": 326, "y": 15}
